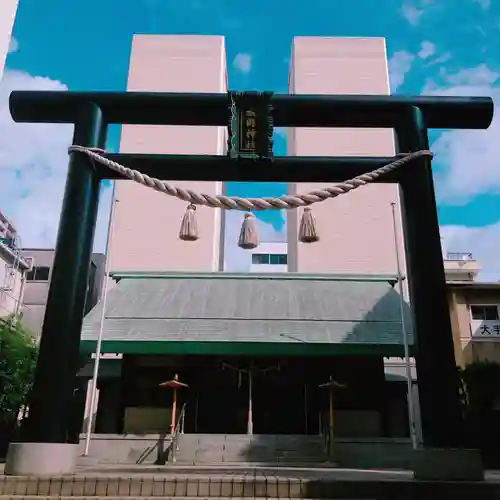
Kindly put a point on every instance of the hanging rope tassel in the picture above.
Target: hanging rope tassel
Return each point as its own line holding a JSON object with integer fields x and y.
{"x": 189, "y": 225}
{"x": 307, "y": 230}
{"x": 249, "y": 235}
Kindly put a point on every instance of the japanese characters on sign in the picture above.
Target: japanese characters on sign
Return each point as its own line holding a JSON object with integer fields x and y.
{"x": 486, "y": 330}
{"x": 250, "y": 125}
{"x": 247, "y": 131}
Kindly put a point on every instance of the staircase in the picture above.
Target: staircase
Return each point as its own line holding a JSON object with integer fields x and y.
{"x": 239, "y": 466}
{"x": 270, "y": 450}
{"x": 333, "y": 484}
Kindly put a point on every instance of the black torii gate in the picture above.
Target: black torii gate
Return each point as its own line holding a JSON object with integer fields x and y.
{"x": 91, "y": 112}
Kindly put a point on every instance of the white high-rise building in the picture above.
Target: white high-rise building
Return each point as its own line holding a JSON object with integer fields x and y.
{"x": 8, "y": 10}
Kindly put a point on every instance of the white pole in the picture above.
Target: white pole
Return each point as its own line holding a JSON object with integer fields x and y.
{"x": 20, "y": 297}
{"x": 250, "y": 402}
{"x": 105, "y": 285}
{"x": 411, "y": 408}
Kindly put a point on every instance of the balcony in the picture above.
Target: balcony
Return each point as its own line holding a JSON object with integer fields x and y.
{"x": 461, "y": 266}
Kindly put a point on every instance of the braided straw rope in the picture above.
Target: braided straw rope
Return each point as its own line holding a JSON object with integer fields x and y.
{"x": 235, "y": 202}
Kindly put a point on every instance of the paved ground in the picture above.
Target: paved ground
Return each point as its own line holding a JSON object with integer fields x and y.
{"x": 492, "y": 476}
{"x": 254, "y": 471}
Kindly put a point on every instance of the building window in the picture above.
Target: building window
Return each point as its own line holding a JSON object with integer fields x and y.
{"x": 38, "y": 274}
{"x": 279, "y": 259}
{"x": 484, "y": 313}
{"x": 260, "y": 258}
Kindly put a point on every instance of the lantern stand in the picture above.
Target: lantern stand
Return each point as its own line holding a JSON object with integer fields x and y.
{"x": 331, "y": 385}
{"x": 174, "y": 384}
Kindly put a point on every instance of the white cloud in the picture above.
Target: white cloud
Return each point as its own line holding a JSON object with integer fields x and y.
{"x": 439, "y": 60}
{"x": 411, "y": 13}
{"x": 470, "y": 167}
{"x": 469, "y": 157}
{"x": 237, "y": 259}
{"x": 243, "y": 62}
{"x": 480, "y": 75}
{"x": 399, "y": 64}
{"x": 13, "y": 45}
{"x": 427, "y": 49}
{"x": 482, "y": 242}
{"x": 33, "y": 167}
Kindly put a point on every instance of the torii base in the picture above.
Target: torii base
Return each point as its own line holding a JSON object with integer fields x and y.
{"x": 41, "y": 459}
{"x": 439, "y": 464}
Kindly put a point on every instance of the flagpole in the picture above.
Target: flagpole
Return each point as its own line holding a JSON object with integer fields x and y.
{"x": 409, "y": 383}
{"x": 104, "y": 295}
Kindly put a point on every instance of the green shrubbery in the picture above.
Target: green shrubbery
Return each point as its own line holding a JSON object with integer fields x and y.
{"x": 18, "y": 355}
{"x": 480, "y": 389}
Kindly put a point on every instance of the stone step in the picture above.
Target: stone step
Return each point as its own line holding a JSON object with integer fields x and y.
{"x": 182, "y": 488}
{"x": 236, "y": 469}
{"x": 272, "y": 449}
{"x": 37, "y": 497}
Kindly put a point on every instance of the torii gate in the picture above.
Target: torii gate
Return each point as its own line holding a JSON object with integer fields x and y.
{"x": 91, "y": 112}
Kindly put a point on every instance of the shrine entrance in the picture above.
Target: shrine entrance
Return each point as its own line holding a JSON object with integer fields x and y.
{"x": 218, "y": 404}
{"x": 284, "y": 394}
{"x": 280, "y": 405}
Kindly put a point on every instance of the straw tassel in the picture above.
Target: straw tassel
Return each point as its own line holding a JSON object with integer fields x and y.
{"x": 307, "y": 230}
{"x": 249, "y": 236}
{"x": 189, "y": 225}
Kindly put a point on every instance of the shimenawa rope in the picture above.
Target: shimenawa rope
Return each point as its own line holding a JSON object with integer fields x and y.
{"x": 248, "y": 236}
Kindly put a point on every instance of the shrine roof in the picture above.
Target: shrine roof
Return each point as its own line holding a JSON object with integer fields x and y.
{"x": 286, "y": 312}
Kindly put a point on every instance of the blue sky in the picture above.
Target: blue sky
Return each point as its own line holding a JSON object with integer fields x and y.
{"x": 433, "y": 47}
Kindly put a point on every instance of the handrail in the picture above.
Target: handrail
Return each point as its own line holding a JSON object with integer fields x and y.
{"x": 179, "y": 429}
{"x": 329, "y": 440}
{"x": 173, "y": 446}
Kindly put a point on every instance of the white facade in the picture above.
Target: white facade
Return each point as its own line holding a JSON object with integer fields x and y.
{"x": 356, "y": 229}
{"x": 270, "y": 257}
{"x": 146, "y": 225}
{"x": 13, "y": 270}
{"x": 8, "y": 10}
{"x": 460, "y": 266}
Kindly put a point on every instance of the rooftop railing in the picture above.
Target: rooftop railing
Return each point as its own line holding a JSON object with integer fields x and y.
{"x": 459, "y": 256}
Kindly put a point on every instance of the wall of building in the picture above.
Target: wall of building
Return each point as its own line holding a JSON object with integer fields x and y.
{"x": 37, "y": 285}
{"x": 270, "y": 250}
{"x": 36, "y": 290}
{"x": 11, "y": 287}
{"x": 8, "y": 10}
{"x": 7, "y": 230}
{"x": 12, "y": 265}
{"x": 146, "y": 227}
{"x": 475, "y": 340}
{"x": 356, "y": 229}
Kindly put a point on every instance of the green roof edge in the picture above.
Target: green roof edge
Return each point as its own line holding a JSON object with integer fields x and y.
{"x": 256, "y": 276}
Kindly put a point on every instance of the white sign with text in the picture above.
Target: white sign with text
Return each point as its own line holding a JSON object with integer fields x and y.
{"x": 485, "y": 329}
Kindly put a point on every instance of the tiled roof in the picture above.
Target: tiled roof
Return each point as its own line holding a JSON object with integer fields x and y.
{"x": 277, "y": 308}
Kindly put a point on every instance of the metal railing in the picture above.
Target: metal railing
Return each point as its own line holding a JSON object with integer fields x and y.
{"x": 179, "y": 429}
{"x": 328, "y": 439}
{"x": 170, "y": 454}
{"x": 459, "y": 256}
